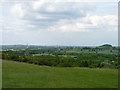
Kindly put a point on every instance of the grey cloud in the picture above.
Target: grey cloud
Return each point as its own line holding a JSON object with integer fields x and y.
{"x": 63, "y": 11}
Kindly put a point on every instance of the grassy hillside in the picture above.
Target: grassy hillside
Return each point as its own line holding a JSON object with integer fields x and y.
{"x": 23, "y": 75}
{"x": 0, "y": 74}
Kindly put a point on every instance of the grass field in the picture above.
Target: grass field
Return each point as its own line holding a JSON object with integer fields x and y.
{"x": 0, "y": 74}
{"x": 21, "y": 75}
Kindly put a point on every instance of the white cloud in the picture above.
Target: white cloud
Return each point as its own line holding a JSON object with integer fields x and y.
{"x": 38, "y": 4}
{"x": 1, "y": 1}
{"x": 106, "y": 22}
{"x": 64, "y": 17}
{"x": 41, "y": 17}
{"x": 18, "y": 10}
{"x": 50, "y": 9}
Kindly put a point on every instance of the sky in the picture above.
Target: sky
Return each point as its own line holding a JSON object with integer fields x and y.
{"x": 59, "y": 22}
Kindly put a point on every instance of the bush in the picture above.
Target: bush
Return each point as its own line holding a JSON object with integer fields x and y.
{"x": 65, "y": 64}
{"x": 93, "y": 66}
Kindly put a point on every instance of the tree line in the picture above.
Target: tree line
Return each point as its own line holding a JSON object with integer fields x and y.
{"x": 91, "y": 60}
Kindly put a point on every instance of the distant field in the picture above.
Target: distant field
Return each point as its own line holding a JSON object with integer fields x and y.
{"x": 87, "y": 51}
{"x": 21, "y": 75}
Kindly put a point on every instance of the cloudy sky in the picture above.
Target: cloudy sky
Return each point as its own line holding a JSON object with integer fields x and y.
{"x": 59, "y": 22}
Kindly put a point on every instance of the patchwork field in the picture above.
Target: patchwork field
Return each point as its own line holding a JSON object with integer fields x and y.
{"x": 22, "y": 75}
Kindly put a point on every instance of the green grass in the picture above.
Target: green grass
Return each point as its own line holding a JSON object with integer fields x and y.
{"x": 0, "y": 74}
{"x": 21, "y": 75}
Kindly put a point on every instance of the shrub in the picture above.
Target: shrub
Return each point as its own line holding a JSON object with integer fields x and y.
{"x": 65, "y": 64}
{"x": 93, "y": 66}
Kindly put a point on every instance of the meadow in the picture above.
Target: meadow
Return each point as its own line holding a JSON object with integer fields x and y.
{"x": 23, "y": 75}
{"x": 0, "y": 74}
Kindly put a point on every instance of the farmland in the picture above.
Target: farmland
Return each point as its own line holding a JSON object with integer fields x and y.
{"x": 105, "y": 56}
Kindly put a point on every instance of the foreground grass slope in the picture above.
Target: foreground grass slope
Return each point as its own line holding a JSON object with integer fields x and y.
{"x": 21, "y": 75}
{"x": 0, "y": 74}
